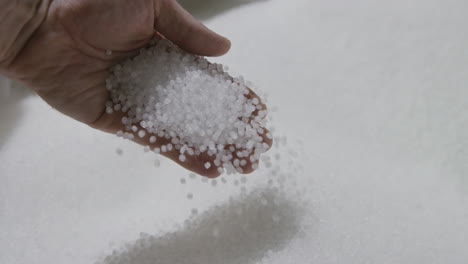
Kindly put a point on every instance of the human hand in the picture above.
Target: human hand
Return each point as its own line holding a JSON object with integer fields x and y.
{"x": 66, "y": 60}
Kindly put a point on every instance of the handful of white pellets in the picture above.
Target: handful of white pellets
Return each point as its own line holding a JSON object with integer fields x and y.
{"x": 190, "y": 110}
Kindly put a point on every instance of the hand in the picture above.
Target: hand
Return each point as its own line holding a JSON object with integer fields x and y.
{"x": 66, "y": 61}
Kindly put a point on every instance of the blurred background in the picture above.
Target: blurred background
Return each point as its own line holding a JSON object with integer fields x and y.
{"x": 371, "y": 94}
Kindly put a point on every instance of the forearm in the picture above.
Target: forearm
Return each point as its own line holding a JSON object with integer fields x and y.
{"x": 18, "y": 21}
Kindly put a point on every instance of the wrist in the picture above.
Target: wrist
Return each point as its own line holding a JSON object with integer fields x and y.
{"x": 18, "y": 22}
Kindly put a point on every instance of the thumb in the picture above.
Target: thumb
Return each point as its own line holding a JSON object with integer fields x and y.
{"x": 181, "y": 28}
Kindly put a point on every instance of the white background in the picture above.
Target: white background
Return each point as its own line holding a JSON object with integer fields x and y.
{"x": 376, "y": 90}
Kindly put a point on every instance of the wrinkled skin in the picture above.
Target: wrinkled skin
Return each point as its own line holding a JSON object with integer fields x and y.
{"x": 65, "y": 60}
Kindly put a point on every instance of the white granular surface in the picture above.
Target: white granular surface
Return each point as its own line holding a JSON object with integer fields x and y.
{"x": 168, "y": 93}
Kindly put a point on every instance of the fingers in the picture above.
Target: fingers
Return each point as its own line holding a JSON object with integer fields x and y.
{"x": 112, "y": 123}
{"x": 181, "y": 28}
{"x": 192, "y": 162}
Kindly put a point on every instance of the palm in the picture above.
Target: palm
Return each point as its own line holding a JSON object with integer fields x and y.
{"x": 81, "y": 32}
